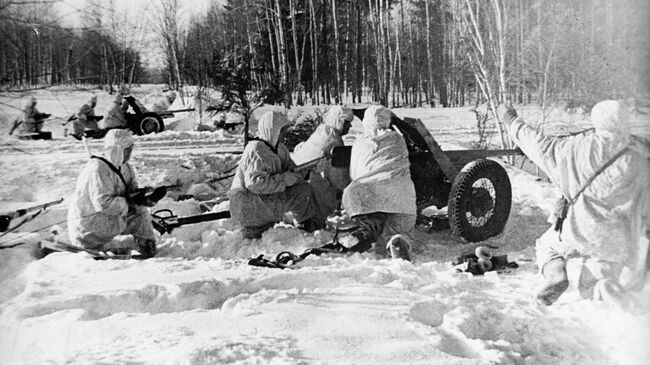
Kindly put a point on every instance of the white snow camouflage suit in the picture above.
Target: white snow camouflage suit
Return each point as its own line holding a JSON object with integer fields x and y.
{"x": 98, "y": 210}
{"x": 381, "y": 180}
{"x": 85, "y": 118}
{"x": 609, "y": 219}
{"x": 327, "y": 182}
{"x": 115, "y": 117}
{"x": 264, "y": 187}
{"x": 30, "y": 111}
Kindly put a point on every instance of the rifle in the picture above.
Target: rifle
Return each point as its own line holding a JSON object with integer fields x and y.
{"x": 7, "y": 217}
{"x": 148, "y": 195}
{"x": 164, "y": 221}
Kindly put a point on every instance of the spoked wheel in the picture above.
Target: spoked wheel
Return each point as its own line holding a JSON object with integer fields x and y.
{"x": 150, "y": 123}
{"x": 479, "y": 201}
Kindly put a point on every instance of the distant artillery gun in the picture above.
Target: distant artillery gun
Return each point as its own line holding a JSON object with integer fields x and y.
{"x": 140, "y": 122}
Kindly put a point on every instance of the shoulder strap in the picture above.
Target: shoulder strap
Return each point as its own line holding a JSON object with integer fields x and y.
{"x": 275, "y": 150}
{"x": 598, "y": 172}
{"x": 112, "y": 167}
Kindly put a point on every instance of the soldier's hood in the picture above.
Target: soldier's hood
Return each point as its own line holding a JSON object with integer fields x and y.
{"x": 118, "y": 99}
{"x": 115, "y": 141}
{"x": 269, "y": 126}
{"x": 611, "y": 118}
{"x": 375, "y": 119}
{"x": 336, "y": 115}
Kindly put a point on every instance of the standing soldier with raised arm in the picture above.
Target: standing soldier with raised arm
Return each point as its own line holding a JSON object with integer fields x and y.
{"x": 603, "y": 175}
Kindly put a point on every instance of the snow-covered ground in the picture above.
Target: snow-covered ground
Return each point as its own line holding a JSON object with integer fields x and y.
{"x": 198, "y": 302}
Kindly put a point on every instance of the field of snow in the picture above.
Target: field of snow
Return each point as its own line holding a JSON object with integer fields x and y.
{"x": 198, "y": 302}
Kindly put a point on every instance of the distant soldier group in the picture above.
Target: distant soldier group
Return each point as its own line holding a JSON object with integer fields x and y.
{"x": 86, "y": 121}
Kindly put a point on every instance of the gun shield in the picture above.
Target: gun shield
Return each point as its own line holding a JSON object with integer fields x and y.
{"x": 341, "y": 156}
{"x": 4, "y": 222}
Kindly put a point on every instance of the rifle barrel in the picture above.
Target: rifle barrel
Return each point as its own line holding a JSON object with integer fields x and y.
{"x": 203, "y": 217}
{"x": 179, "y": 110}
{"x": 21, "y": 212}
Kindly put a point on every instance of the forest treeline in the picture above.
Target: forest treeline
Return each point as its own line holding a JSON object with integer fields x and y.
{"x": 37, "y": 50}
{"x": 405, "y": 52}
{"x": 396, "y": 52}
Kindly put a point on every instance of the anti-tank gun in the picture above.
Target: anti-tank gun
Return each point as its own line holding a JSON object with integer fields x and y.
{"x": 476, "y": 190}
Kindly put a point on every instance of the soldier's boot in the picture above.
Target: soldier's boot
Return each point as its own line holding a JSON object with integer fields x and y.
{"x": 364, "y": 241}
{"x": 399, "y": 247}
{"x": 254, "y": 232}
{"x": 147, "y": 248}
{"x": 557, "y": 282}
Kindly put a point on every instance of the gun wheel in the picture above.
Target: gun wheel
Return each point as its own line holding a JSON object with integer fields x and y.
{"x": 479, "y": 201}
{"x": 150, "y": 123}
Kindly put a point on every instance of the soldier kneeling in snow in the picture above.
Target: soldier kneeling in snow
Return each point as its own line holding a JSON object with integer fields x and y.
{"x": 115, "y": 117}
{"x": 603, "y": 175}
{"x": 33, "y": 118}
{"x": 326, "y": 182}
{"x": 381, "y": 196}
{"x": 164, "y": 102}
{"x": 265, "y": 186}
{"x": 86, "y": 118}
{"x": 100, "y": 208}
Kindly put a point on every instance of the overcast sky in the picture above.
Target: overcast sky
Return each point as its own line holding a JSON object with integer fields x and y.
{"x": 71, "y": 12}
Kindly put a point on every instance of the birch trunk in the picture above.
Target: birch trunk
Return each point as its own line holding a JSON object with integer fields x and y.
{"x": 429, "y": 55}
{"x": 337, "y": 91}
{"x": 294, "y": 33}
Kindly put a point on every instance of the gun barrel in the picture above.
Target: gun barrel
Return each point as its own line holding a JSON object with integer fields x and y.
{"x": 203, "y": 217}
{"x": 179, "y": 110}
{"x": 165, "y": 224}
{"x": 21, "y": 212}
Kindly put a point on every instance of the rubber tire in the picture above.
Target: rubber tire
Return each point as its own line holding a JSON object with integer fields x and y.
{"x": 460, "y": 194}
{"x": 142, "y": 130}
